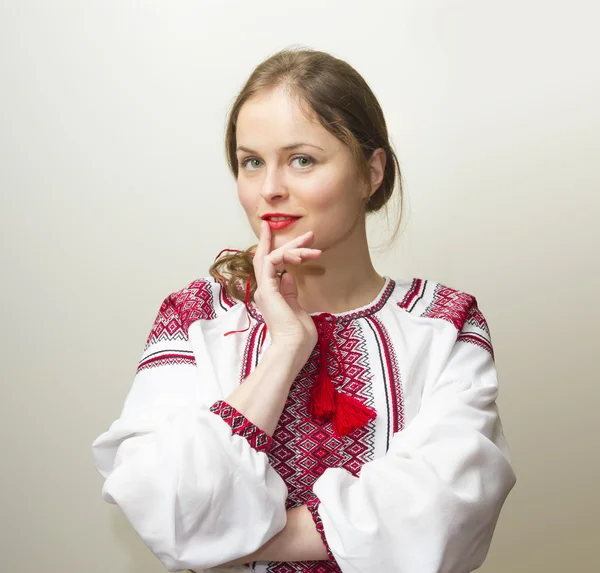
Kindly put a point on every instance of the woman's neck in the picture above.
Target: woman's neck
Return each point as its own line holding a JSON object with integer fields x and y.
{"x": 342, "y": 279}
{"x": 328, "y": 293}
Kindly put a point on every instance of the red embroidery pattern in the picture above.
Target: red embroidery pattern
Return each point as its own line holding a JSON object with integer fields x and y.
{"x": 304, "y": 567}
{"x": 313, "y": 506}
{"x": 179, "y": 310}
{"x": 413, "y": 294}
{"x": 472, "y": 338}
{"x": 392, "y": 374}
{"x": 374, "y": 307}
{"x": 476, "y": 318}
{"x": 476, "y": 330}
{"x": 194, "y": 302}
{"x": 167, "y": 358}
{"x": 242, "y": 426}
{"x": 451, "y": 305}
{"x": 304, "y": 448}
{"x": 250, "y": 351}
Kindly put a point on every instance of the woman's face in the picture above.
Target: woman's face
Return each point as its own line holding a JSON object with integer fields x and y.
{"x": 290, "y": 164}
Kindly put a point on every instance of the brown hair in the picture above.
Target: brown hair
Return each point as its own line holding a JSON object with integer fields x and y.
{"x": 344, "y": 104}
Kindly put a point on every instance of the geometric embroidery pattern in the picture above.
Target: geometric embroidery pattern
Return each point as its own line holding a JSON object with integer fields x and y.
{"x": 303, "y": 448}
{"x": 195, "y": 302}
{"x": 391, "y": 374}
{"x": 476, "y": 330}
{"x": 168, "y": 324}
{"x": 370, "y": 309}
{"x": 414, "y": 293}
{"x": 456, "y": 307}
{"x": 172, "y": 322}
{"x": 450, "y": 305}
{"x": 181, "y": 309}
{"x": 472, "y": 338}
{"x": 241, "y": 426}
{"x": 167, "y": 358}
{"x": 476, "y": 318}
{"x": 250, "y": 350}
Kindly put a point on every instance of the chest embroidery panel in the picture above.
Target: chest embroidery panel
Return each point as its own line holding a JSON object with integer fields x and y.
{"x": 304, "y": 447}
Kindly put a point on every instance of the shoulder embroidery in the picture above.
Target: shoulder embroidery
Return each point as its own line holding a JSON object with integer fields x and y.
{"x": 434, "y": 300}
{"x": 167, "y": 343}
{"x": 194, "y": 302}
{"x": 181, "y": 309}
{"x": 476, "y": 330}
{"x": 476, "y": 318}
{"x": 413, "y": 295}
{"x": 451, "y": 305}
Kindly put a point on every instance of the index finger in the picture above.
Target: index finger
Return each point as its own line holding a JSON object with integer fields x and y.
{"x": 264, "y": 245}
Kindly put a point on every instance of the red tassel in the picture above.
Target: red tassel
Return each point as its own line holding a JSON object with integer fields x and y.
{"x": 322, "y": 398}
{"x": 350, "y": 414}
{"x": 347, "y": 413}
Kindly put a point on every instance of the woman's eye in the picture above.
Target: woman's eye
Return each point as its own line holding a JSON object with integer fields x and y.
{"x": 251, "y": 163}
{"x": 303, "y": 161}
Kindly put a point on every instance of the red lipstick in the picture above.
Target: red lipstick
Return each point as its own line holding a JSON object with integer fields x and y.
{"x": 278, "y": 225}
{"x": 284, "y": 220}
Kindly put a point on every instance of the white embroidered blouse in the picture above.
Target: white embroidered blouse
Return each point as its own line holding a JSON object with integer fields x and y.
{"x": 417, "y": 490}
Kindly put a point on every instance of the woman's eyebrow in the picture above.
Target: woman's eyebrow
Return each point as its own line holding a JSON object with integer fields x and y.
{"x": 295, "y": 145}
{"x": 284, "y": 148}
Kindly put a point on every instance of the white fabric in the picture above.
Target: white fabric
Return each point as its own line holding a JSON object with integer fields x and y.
{"x": 427, "y": 501}
{"x": 431, "y": 504}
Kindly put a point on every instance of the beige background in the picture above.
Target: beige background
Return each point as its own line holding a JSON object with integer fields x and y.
{"x": 114, "y": 193}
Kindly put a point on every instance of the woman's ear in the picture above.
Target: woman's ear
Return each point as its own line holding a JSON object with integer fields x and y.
{"x": 376, "y": 169}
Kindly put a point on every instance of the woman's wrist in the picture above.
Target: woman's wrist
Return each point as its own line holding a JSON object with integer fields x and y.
{"x": 263, "y": 394}
{"x": 297, "y": 541}
{"x": 291, "y": 356}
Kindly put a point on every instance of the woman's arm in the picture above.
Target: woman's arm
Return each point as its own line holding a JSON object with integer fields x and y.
{"x": 299, "y": 540}
{"x": 263, "y": 394}
{"x": 431, "y": 504}
{"x": 189, "y": 472}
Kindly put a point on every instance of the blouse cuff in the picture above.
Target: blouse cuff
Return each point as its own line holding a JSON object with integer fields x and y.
{"x": 313, "y": 506}
{"x": 241, "y": 426}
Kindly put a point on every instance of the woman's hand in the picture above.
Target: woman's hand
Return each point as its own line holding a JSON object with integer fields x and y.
{"x": 277, "y": 297}
{"x": 263, "y": 394}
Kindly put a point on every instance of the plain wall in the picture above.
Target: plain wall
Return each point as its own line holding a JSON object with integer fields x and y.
{"x": 114, "y": 192}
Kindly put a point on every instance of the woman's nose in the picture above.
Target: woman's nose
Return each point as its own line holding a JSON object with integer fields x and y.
{"x": 273, "y": 185}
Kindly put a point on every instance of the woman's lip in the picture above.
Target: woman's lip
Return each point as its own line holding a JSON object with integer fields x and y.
{"x": 278, "y": 216}
{"x": 278, "y": 225}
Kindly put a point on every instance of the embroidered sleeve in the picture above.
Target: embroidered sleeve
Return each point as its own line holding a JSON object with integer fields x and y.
{"x": 241, "y": 426}
{"x": 433, "y": 500}
{"x": 174, "y": 468}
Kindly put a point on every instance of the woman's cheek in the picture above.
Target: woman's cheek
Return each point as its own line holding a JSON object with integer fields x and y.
{"x": 321, "y": 193}
{"x": 246, "y": 200}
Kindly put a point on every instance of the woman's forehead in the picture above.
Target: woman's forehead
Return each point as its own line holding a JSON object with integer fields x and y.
{"x": 276, "y": 106}
{"x": 276, "y": 118}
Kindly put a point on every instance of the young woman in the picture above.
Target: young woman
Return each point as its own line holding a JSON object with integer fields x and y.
{"x": 295, "y": 410}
